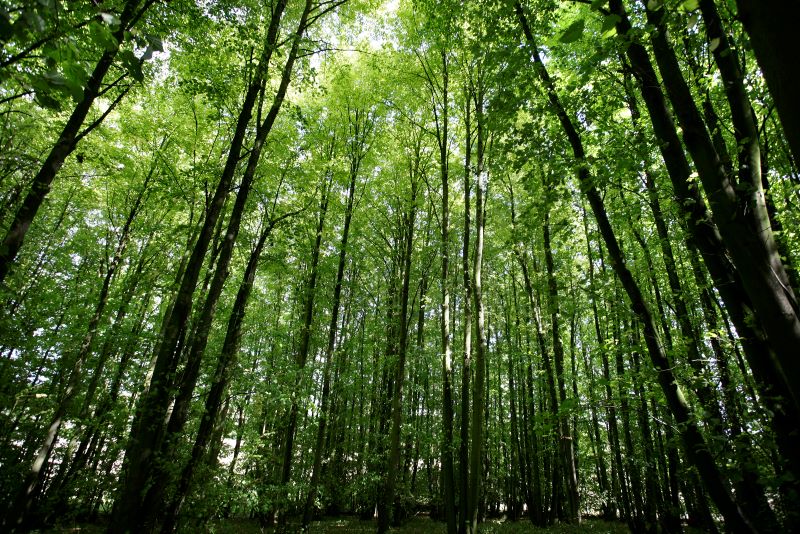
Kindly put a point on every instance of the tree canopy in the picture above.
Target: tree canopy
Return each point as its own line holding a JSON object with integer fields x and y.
{"x": 293, "y": 259}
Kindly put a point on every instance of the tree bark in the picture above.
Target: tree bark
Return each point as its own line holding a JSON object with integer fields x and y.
{"x": 478, "y": 391}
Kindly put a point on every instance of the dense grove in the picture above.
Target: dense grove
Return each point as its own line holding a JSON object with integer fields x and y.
{"x": 268, "y": 261}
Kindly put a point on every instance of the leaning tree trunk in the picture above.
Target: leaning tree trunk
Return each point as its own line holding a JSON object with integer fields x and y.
{"x": 742, "y": 222}
{"x": 163, "y": 475}
{"x": 67, "y": 139}
{"x": 772, "y": 27}
{"x": 704, "y": 234}
{"x": 694, "y": 441}
{"x": 219, "y": 382}
{"x": 147, "y": 428}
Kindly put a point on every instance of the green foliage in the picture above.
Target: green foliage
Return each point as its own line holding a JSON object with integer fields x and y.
{"x": 188, "y": 65}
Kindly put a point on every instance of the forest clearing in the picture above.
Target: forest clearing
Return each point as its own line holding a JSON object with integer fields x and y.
{"x": 411, "y": 265}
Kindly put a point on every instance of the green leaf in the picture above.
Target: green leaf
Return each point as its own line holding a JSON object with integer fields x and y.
{"x": 574, "y": 32}
{"x": 693, "y": 20}
{"x": 154, "y": 42}
{"x": 102, "y": 36}
{"x": 689, "y": 5}
{"x": 654, "y": 5}
{"x": 54, "y": 78}
{"x": 132, "y": 65}
{"x": 609, "y": 28}
{"x": 44, "y": 99}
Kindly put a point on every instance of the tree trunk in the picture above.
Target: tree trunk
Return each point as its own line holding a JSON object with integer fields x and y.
{"x": 147, "y": 428}
{"x": 386, "y": 500}
{"x": 565, "y": 437}
{"x": 771, "y": 25}
{"x": 305, "y": 339}
{"x": 696, "y": 447}
{"x": 463, "y": 453}
{"x": 478, "y": 391}
{"x": 67, "y": 140}
{"x": 441, "y": 118}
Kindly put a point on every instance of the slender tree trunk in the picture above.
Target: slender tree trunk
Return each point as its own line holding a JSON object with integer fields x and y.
{"x": 221, "y": 378}
{"x": 441, "y": 117}
{"x": 385, "y": 512}
{"x": 466, "y": 369}
{"x": 705, "y": 237}
{"x": 305, "y": 342}
{"x": 479, "y": 384}
{"x": 565, "y": 438}
{"x": 703, "y": 234}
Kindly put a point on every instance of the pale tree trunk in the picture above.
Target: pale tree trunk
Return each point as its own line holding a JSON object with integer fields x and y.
{"x": 479, "y": 384}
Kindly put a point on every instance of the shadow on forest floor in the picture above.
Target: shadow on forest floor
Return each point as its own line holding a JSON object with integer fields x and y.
{"x": 352, "y": 525}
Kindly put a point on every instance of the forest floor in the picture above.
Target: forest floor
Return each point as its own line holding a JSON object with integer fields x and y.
{"x": 351, "y": 525}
